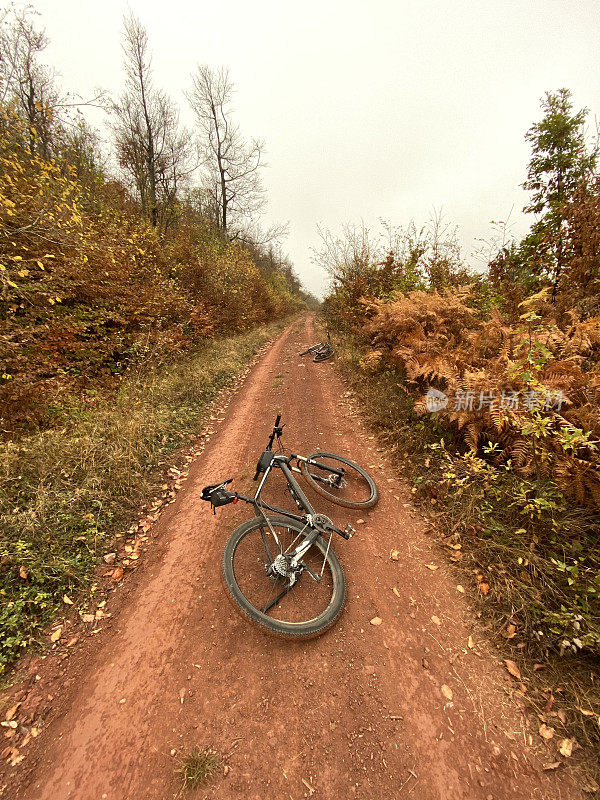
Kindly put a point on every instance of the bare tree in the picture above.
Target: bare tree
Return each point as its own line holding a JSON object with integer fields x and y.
{"x": 151, "y": 148}
{"x": 231, "y": 165}
{"x": 32, "y": 87}
{"x": 24, "y": 81}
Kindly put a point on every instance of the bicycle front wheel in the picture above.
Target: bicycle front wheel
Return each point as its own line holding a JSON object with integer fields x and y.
{"x": 302, "y": 610}
{"x": 355, "y": 488}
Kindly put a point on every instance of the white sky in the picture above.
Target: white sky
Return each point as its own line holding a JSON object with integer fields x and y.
{"x": 369, "y": 110}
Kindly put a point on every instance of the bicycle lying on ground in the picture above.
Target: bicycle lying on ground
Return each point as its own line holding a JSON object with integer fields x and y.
{"x": 321, "y": 351}
{"x": 269, "y": 556}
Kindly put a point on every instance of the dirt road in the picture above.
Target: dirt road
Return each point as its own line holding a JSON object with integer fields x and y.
{"x": 359, "y": 712}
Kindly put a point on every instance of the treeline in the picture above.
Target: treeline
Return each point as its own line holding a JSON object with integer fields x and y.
{"x": 515, "y": 348}
{"x": 135, "y": 252}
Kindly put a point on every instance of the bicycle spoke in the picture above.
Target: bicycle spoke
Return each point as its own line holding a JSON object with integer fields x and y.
{"x": 272, "y": 594}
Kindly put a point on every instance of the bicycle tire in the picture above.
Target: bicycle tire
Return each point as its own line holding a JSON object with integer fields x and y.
{"x": 323, "y": 354}
{"x": 300, "y": 629}
{"x": 337, "y": 495}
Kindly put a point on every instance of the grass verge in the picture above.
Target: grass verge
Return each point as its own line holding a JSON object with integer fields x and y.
{"x": 65, "y": 493}
{"x": 529, "y": 557}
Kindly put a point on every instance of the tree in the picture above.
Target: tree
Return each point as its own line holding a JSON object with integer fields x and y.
{"x": 151, "y": 148}
{"x": 232, "y": 165}
{"x": 27, "y": 83}
{"x": 560, "y": 161}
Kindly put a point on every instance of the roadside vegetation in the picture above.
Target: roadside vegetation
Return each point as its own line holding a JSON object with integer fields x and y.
{"x": 65, "y": 494}
{"x": 498, "y": 372}
{"x": 135, "y": 283}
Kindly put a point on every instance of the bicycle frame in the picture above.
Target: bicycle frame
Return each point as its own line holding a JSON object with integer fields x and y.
{"x": 303, "y": 503}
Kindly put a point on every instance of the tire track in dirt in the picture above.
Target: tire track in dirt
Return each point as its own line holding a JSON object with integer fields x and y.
{"x": 356, "y": 713}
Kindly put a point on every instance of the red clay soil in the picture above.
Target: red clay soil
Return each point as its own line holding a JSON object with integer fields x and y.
{"x": 358, "y": 712}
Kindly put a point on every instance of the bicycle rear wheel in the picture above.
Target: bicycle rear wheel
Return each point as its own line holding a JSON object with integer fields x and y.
{"x": 354, "y": 489}
{"x": 323, "y": 353}
{"x": 306, "y": 609}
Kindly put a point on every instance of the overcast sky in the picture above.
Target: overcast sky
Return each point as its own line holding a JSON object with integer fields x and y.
{"x": 383, "y": 109}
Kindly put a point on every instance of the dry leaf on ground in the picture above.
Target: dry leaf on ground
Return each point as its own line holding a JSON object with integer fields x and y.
{"x": 484, "y": 588}
{"x": 460, "y": 589}
{"x": 565, "y": 747}
{"x": 545, "y": 731}
{"x": 432, "y": 566}
{"x": 11, "y": 712}
{"x": 447, "y": 692}
{"x": 436, "y": 620}
{"x": 396, "y": 592}
{"x": 394, "y": 555}
{"x": 513, "y": 669}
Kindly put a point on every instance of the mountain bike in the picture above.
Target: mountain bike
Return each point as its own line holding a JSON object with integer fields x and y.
{"x": 280, "y": 571}
{"x": 321, "y": 351}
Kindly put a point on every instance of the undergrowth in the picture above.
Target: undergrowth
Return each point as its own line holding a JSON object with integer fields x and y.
{"x": 64, "y": 493}
{"x": 530, "y": 556}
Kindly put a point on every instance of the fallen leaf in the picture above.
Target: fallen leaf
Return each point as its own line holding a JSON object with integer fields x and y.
{"x": 460, "y": 589}
{"x": 432, "y": 566}
{"x": 484, "y": 588}
{"x": 109, "y": 558}
{"x": 396, "y": 592}
{"x": 510, "y": 631}
{"x": 565, "y": 747}
{"x": 12, "y": 711}
{"x": 72, "y": 641}
{"x": 586, "y": 712}
{"x": 561, "y": 715}
{"x": 447, "y": 692}
{"x": 67, "y": 600}
{"x": 470, "y": 642}
{"x": 376, "y": 621}
{"x": 513, "y": 669}
{"x": 538, "y": 667}
{"x": 117, "y": 574}
{"x": 436, "y": 620}
{"x": 56, "y": 635}
{"x": 88, "y": 617}
{"x": 545, "y": 731}
{"x": 554, "y": 765}
{"x": 394, "y": 555}
{"x": 549, "y": 702}
{"x": 23, "y": 573}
